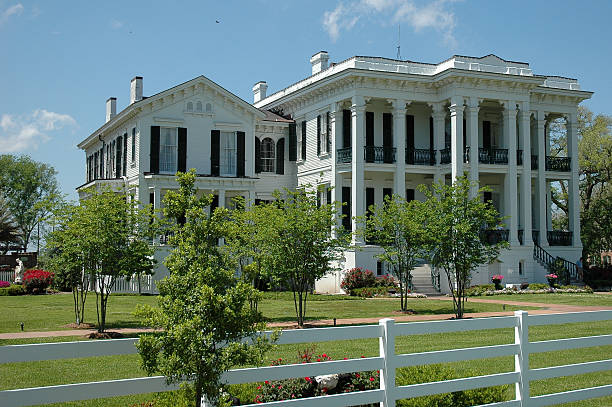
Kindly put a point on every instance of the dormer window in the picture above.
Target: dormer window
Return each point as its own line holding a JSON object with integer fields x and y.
{"x": 190, "y": 106}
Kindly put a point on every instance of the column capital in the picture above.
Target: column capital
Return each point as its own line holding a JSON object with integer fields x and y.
{"x": 399, "y": 104}
{"x": 455, "y": 109}
{"x": 358, "y": 101}
{"x": 473, "y": 104}
{"x": 437, "y": 107}
{"x": 510, "y": 110}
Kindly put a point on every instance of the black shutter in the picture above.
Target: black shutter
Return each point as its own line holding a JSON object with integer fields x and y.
{"x": 328, "y": 140}
{"x": 292, "y": 142}
{"x": 101, "y": 169}
{"x": 118, "y": 158}
{"x": 369, "y": 129}
{"x": 318, "y": 134}
{"x": 241, "y": 154}
{"x": 369, "y": 200}
{"x": 125, "y": 154}
{"x": 388, "y": 137}
{"x": 214, "y": 152}
{"x": 182, "y": 149}
{"x": 387, "y": 192}
{"x": 304, "y": 140}
{"x": 486, "y": 134}
{"x": 410, "y": 139}
{"x": 154, "y": 154}
{"x": 257, "y": 155}
{"x": 280, "y": 156}
{"x": 328, "y": 196}
{"x": 346, "y": 128}
{"x": 410, "y": 195}
{"x": 346, "y": 208}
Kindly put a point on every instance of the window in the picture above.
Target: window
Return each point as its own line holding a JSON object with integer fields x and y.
{"x": 133, "y": 144}
{"x": 228, "y": 153}
{"x": 267, "y": 155}
{"x": 167, "y": 150}
{"x": 198, "y": 106}
{"x": 208, "y": 108}
{"x": 190, "y": 106}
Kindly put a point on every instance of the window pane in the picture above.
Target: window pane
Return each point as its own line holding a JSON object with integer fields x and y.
{"x": 267, "y": 155}
{"x": 228, "y": 153}
{"x": 168, "y": 150}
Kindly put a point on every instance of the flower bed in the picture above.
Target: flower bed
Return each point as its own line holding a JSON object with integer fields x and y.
{"x": 533, "y": 289}
{"x": 4, "y": 284}
{"x": 37, "y": 281}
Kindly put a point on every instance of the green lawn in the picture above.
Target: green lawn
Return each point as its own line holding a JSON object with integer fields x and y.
{"x": 28, "y": 374}
{"x": 53, "y": 312}
{"x": 567, "y": 299}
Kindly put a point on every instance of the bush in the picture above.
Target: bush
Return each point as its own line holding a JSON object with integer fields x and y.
{"x": 478, "y": 290}
{"x": 4, "y": 284}
{"x": 538, "y": 286}
{"x": 369, "y": 292}
{"x": 37, "y": 280}
{"x": 386, "y": 281}
{"x": 15, "y": 289}
{"x": 434, "y": 373}
{"x": 357, "y": 278}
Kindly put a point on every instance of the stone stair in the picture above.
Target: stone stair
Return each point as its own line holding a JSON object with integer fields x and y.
{"x": 421, "y": 281}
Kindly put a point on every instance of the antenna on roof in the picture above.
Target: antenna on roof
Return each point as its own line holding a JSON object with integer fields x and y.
{"x": 399, "y": 39}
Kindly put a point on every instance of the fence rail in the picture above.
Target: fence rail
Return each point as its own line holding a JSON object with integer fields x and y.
{"x": 388, "y": 361}
{"x": 7, "y": 276}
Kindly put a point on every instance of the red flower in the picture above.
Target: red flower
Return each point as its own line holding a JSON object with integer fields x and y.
{"x": 371, "y": 379}
{"x": 267, "y": 382}
{"x": 307, "y": 379}
{"x": 318, "y": 359}
{"x": 324, "y": 355}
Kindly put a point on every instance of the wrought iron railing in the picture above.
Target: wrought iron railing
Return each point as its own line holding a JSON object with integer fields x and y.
{"x": 558, "y": 163}
{"x": 379, "y": 155}
{"x": 493, "y": 155}
{"x": 420, "y": 156}
{"x": 344, "y": 155}
{"x": 445, "y": 156}
{"x": 559, "y": 238}
{"x": 548, "y": 261}
{"x": 494, "y": 236}
{"x": 535, "y": 236}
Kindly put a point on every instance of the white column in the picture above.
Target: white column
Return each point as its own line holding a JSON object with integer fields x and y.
{"x": 510, "y": 182}
{"x": 573, "y": 199}
{"x": 439, "y": 116}
{"x": 357, "y": 163}
{"x": 541, "y": 185}
{"x": 525, "y": 134}
{"x": 335, "y": 178}
{"x": 221, "y": 195}
{"x": 399, "y": 139}
{"x": 472, "y": 129}
{"x": 456, "y": 115}
{"x": 249, "y": 199}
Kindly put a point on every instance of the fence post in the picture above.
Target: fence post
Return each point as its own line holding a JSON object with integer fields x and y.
{"x": 387, "y": 352}
{"x": 521, "y": 361}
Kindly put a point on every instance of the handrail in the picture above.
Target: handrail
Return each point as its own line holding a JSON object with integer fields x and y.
{"x": 379, "y": 155}
{"x": 548, "y": 260}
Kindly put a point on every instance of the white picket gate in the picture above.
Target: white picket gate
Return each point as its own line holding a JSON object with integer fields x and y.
{"x": 388, "y": 361}
{"x": 7, "y": 276}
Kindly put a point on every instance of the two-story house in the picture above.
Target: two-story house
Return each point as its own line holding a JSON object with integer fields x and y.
{"x": 365, "y": 127}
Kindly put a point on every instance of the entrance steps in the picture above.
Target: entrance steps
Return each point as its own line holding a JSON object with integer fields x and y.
{"x": 421, "y": 281}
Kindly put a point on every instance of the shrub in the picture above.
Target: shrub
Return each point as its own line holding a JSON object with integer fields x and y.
{"x": 4, "y": 284}
{"x": 37, "y": 280}
{"x": 386, "y": 281}
{"x": 479, "y": 290}
{"x": 357, "y": 278}
{"x": 538, "y": 286}
{"x": 434, "y": 373}
{"x": 369, "y": 292}
{"x": 15, "y": 289}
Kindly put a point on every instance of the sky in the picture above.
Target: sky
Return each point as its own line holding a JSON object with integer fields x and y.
{"x": 61, "y": 60}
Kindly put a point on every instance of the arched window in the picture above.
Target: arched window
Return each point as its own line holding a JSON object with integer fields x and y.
{"x": 190, "y": 106}
{"x": 198, "y": 106}
{"x": 267, "y": 155}
{"x": 208, "y": 108}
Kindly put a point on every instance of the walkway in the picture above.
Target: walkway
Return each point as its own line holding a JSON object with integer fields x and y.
{"x": 543, "y": 309}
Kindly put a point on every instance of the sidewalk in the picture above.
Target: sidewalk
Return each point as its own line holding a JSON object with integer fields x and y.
{"x": 544, "y": 309}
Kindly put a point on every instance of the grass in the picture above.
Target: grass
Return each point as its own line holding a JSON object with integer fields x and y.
{"x": 551, "y": 298}
{"x": 29, "y": 374}
{"x": 53, "y": 312}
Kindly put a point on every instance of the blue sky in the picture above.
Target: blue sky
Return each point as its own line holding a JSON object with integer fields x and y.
{"x": 61, "y": 60}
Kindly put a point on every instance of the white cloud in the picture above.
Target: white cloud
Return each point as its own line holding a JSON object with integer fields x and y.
{"x": 436, "y": 15}
{"x": 26, "y": 132}
{"x": 116, "y": 24}
{"x": 15, "y": 10}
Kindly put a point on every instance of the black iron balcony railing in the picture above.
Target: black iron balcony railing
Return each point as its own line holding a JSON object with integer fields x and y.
{"x": 493, "y": 155}
{"x": 535, "y": 236}
{"x": 379, "y": 155}
{"x": 494, "y": 236}
{"x": 420, "y": 156}
{"x": 559, "y": 238}
{"x": 445, "y": 156}
{"x": 558, "y": 163}
{"x": 344, "y": 155}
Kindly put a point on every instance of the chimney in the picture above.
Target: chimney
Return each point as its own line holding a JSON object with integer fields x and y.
{"x": 136, "y": 89}
{"x": 319, "y": 61}
{"x": 111, "y": 108}
{"x": 259, "y": 91}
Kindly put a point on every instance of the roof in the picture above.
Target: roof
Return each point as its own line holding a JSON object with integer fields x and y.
{"x": 273, "y": 117}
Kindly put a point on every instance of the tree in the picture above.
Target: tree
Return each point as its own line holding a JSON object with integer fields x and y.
{"x": 300, "y": 245}
{"x": 456, "y": 227}
{"x": 203, "y": 309}
{"x": 102, "y": 239}
{"x": 597, "y": 225}
{"x": 30, "y": 189}
{"x": 9, "y": 232}
{"x": 399, "y": 228}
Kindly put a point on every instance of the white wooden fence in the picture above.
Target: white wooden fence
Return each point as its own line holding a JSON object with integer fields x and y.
{"x": 388, "y": 361}
{"x": 7, "y": 276}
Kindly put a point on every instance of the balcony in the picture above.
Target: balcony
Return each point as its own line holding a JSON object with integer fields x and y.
{"x": 420, "y": 156}
{"x": 562, "y": 164}
{"x": 344, "y": 155}
{"x": 535, "y": 236}
{"x": 494, "y": 236}
{"x": 445, "y": 156}
{"x": 379, "y": 155}
{"x": 559, "y": 237}
{"x": 519, "y": 159}
{"x": 493, "y": 155}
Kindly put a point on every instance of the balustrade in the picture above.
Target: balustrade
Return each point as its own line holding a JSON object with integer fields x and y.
{"x": 344, "y": 155}
{"x": 562, "y": 164}
{"x": 493, "y": 155}
{"x": 559, "y": 238}
{"x": 379, "y": 155}
{"x": 420, "y": 156}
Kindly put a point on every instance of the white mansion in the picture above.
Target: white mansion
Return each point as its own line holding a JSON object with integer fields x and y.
{"x": 365, "y": 127}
